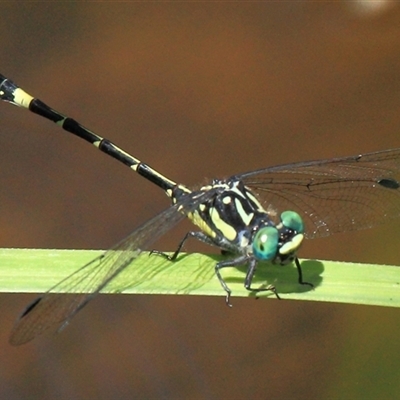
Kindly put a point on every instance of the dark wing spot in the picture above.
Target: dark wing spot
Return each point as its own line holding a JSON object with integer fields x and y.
{"x": 30, "y": 307}
{"x": 389, "y": 183}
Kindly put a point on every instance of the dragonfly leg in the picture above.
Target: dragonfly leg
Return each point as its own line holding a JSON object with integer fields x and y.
{"x": 197, "y": 235}
{"x": 224, "y": 264}
{"x": 249, "y": 278}
{"x": 300, "y": 272}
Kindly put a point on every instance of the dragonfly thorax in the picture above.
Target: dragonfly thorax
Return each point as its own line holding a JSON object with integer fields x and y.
{"x": 232, "y": 215}
{"x": 236, "y": 221}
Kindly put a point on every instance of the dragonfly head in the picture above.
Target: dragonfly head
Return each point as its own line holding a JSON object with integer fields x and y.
{"x": 279, "y": 243}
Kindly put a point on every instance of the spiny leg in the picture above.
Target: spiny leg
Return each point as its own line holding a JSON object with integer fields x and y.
{"x": 224, "y": 264}
{"x": 300, "y": 273}
{"x": 249, "y": 278}
{"x": 202, "y": 237}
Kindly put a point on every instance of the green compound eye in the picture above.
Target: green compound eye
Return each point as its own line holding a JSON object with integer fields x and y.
{"x": 293, "y": 221}
{"x": 265, "y": 243}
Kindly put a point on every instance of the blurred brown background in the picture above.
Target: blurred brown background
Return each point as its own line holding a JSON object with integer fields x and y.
{"x": 197, "y": 90}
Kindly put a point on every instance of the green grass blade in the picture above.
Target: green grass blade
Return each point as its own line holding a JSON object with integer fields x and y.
{"x": 31, "y": 270}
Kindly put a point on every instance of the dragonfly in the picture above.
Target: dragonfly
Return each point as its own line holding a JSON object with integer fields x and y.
{"x": 255, "y": 217}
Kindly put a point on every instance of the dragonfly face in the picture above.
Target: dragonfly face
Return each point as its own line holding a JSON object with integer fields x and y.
{"x": 279, "y": 243}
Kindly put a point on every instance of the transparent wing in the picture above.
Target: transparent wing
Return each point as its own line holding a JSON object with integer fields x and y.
{"x": 63, "y": 301}
{"x": 336, "y": 195}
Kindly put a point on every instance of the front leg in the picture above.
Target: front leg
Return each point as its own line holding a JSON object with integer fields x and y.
{"x": 251, "y": 270}
{"x": 300, "y": 273}
{"x": 224, "y": 264}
